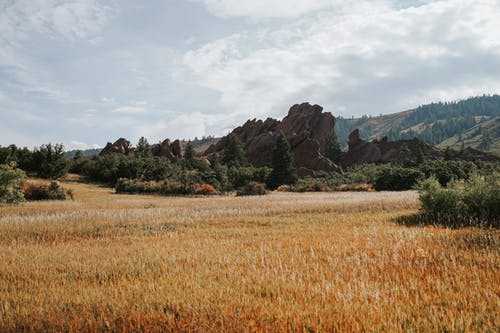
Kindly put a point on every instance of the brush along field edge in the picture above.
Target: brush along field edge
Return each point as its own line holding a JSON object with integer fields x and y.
{"x": 282, "y": 262}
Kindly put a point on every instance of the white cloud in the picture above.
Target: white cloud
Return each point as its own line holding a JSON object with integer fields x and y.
{"x": 265, "y": 8}
{"x": 77, "y": 19}
{"x": 362, "y": 61}
{"x": 186, "y": 126}
{"x": 129, "y": 109}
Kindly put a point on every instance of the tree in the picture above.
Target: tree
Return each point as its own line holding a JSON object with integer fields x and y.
{"x": 189, "y": 152}
{"x": 233, "y": 153}
{"x": 283, "y": 165}
{"x": 11, "y": 181}
{"x": 332, "y": 149}
{"x": 49, "y": 161}
{"x": 143, "y": 148}
{"x": 486, "y": 141}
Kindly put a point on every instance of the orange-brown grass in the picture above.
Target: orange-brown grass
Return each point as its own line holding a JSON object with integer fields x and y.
{"x": 281, "y": 262}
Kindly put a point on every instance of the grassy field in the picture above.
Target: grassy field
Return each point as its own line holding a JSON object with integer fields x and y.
{"x": 283, "y": 262}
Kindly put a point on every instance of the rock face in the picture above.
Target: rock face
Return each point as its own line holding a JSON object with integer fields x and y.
{"x": 306, "y": 127}
{"x": 170, "y": 150}
{"x": 121, "y": 146}
{"x": 384, "y": 151}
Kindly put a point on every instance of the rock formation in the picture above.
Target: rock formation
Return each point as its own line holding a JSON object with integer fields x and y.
{"x": 306, "y": 127}
{"x": 121, "y": 146}
{"x": 170, "y": 150}
{"x": 384, "y": 151}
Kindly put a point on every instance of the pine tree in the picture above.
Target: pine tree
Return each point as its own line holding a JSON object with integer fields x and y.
{"x": 143, "y": 148}
{"x": 283, "y": 165}
{"x": 332, "y": 149}
{"x": 233, "y": 154}
{"x": 189, "y": 151}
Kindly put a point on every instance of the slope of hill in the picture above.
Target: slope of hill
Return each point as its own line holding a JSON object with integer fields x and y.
{"x": 469, "y": 123}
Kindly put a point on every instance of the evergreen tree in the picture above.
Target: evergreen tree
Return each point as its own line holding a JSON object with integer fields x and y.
{"x": 332, "y": 149}
{"x": 189, "y": 151}
{"x": 486, "y": 141}
{"x": 283, "y": 165}
{"x": 143, "y": 148}
{"x": 233, "y": 153}
{"x": 50, "y": 162}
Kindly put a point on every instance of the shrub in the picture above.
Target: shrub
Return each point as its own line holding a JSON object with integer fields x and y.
{"x": 252, "y": 188}
{"x": 475, "y": 202}
{"x": 40, "y": 191}
{"x": 354, "y": 188}
{"x": 11, "y": 180}
{"x": 311, "y": 187}
{"x": 284, "y": 188}
{"x": 397, "y": 179}
{"x": 206, "y": 189}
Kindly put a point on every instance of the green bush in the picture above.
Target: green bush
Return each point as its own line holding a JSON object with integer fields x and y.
{"x": 164, "y": 187}
{"x": 252, "y": 188}
{"x": 397, "y": 179}
{"x": 11, "y": 181}
{"x": 39, "y": 191}
{"x": 474, "y": 202}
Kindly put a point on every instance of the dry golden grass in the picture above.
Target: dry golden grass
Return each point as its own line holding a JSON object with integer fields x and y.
{"x": 282, "y": 262}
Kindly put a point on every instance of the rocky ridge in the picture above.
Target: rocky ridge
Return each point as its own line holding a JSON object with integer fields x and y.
{"x": 306, "y": 127}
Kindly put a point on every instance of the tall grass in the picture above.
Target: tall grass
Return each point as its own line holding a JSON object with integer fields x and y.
{"x": 282, "y": 262}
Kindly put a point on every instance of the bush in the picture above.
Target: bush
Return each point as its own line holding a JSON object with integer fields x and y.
{"x": 39, "y": 191}
{"x": 475, "y": 202}
{"x": 11, "y": 180}
{"x": 354, "y": 188}
{"x": 397, "y": 179}
{"x": 164, "y": 187}
{"x": 206, "y": 189}
{"x": 311, "y": 187}
{"x": 252, "y": 188}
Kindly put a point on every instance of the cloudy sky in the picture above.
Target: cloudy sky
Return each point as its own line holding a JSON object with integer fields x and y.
{"x": 84, "y": 72}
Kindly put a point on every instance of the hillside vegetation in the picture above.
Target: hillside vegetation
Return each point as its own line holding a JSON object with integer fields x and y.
{"x": 474, "y": 122}
{"x": 284, "y": 262}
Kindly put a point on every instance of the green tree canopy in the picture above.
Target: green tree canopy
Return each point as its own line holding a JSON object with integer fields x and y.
{"x": 332, "y": 149}
{"x": 11, "y": 180}
{"x": 143, "y": 148}
{"x": 50, "y": 161}
{"x": 233, "y": 153}
{"x": 282, "y": 164}
{"x": 189, "y": 151}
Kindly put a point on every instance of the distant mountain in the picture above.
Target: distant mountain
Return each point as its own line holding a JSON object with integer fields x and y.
{"x": 86, "y": 152}
{"x": 474, "y": 122}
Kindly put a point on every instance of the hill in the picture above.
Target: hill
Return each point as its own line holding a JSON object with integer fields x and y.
{"x": 474, "y": 122}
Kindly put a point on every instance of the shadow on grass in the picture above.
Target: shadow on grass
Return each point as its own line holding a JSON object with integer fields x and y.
{"x": 445, "y": 221}
{"x": 79, "y": 179}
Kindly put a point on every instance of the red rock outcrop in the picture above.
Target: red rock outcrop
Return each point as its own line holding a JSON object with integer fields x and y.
{"x": 306, "y": 128}
{"x": 121, "y": 146}
{"x": 384, "y": 151}
{"x": 170, "y": 150}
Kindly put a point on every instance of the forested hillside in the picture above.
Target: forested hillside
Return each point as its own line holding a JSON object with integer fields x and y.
{"x": 474, "y": 122}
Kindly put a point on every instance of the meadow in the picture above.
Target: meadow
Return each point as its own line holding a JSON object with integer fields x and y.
{"x": 303, "y": 262}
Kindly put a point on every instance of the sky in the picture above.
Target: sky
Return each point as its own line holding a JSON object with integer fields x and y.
{"x": 85, "y": 72}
